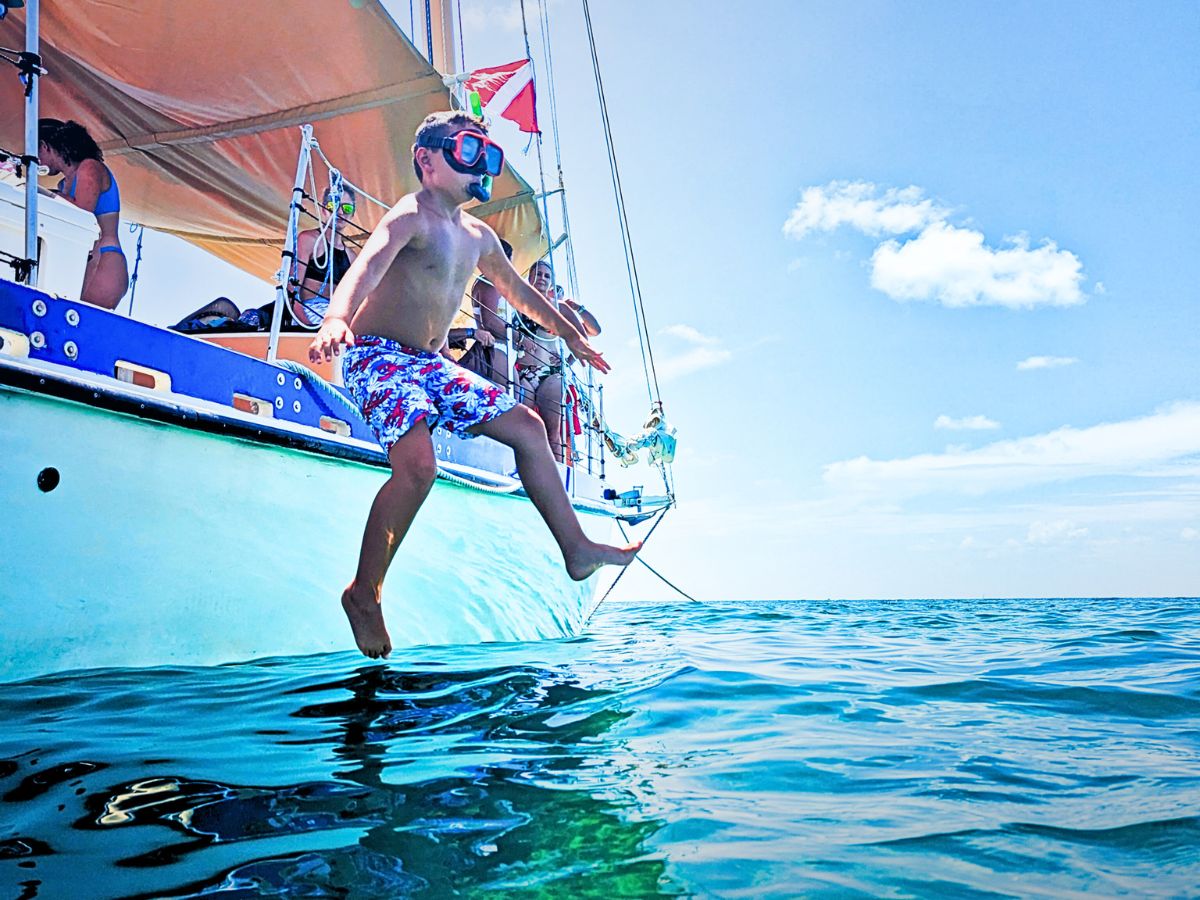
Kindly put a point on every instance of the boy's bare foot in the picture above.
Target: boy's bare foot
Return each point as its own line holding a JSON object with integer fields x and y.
{"x": 366, "y": 621}
{"x": 590, "y": 556}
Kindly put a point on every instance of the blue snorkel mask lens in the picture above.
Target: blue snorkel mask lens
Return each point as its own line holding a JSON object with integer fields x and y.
{"x": 479, "y": 153}
{"x": 470, "y": 152}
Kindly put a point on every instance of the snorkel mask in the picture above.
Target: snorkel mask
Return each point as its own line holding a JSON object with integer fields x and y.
{"x": 471, "y": 153}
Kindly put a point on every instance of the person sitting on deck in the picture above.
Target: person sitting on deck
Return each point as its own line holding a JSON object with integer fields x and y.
{"x": 311, "y": 298}
{"x": 392, "y": 312}
{"x": 66, "y": 149}
{"x": 488, "y": 355}
{"x": 539, "y": 368}
{"x": 323, "y": 269}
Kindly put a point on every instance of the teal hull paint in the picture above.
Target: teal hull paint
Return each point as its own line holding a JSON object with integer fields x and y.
{"x": 164, "y": 545}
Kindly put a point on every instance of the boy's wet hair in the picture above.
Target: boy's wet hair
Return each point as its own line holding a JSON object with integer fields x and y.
{"x": 70, "y": 140}
{"x": 442, "y": 124}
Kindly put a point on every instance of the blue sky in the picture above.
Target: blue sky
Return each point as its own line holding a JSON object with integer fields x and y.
{"x": 921, "y": 281}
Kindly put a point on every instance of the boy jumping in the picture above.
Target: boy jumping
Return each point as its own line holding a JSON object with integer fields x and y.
{"x": 392, "y": 311}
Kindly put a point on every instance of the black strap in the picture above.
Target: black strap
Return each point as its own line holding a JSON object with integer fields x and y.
{"x": 29, "y": 65}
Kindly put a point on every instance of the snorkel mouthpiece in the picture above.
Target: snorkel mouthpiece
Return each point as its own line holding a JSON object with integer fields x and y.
{"x": 481, "y": 190}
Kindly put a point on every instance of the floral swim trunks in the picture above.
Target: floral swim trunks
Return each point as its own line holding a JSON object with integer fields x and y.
{"x": 397, "y": 386}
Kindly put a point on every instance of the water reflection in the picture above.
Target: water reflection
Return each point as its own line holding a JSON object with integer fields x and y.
{"x": 441, "y": 783}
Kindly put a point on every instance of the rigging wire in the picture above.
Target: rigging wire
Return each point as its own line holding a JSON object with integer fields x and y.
{"x": 657, "y": 573}
{"x": 137, "y": 263}
{"x": 462, "y": 47}
{"x": 429, "y": 28}
{"x": 662, "y": 515}
{"x": 544, "y": 13}
{"x": 639, "y": 310}
{"x": 562, "y": 350}
{"x": 538, "y": 138}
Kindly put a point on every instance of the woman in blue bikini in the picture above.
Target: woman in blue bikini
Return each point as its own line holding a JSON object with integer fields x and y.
{"x": 68, "y": 150}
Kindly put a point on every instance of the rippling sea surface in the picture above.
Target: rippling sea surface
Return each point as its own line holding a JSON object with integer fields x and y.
{"x": 1030, "y": 748}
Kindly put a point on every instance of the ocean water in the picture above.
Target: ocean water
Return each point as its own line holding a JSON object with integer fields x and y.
{"x": 1027, "y": 748}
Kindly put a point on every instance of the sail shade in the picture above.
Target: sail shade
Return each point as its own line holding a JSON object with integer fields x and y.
{"x": 198, "y": 108}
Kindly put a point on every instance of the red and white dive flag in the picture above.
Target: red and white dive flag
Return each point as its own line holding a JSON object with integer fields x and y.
{"x": 508, "y": 91}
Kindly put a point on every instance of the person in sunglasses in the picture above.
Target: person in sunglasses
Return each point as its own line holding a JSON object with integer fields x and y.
{"x": 326, "y": 257}
{"x": 322, "y": 271}
{"x": 392, "y": 312}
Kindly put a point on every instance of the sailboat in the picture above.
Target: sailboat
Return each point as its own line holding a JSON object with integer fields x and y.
{"x": 187, "y": 499}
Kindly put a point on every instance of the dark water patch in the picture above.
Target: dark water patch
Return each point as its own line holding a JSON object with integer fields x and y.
{"x": 356, "y": 871}
{"x": 978, "y": 795}
{"x": 1178, "y": 835}
{"x": 38, "y": 783}
{"x": 23, "y": 847}
{"x": 1076, "y": 700}
{"x": 1125, "y": 636}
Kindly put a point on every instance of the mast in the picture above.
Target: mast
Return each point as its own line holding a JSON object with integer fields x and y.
{"x": 441, "y": 35}
{"x": 31, "y": 70}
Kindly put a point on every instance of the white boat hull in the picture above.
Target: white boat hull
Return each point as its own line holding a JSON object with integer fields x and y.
{"x": 163, "y": 544}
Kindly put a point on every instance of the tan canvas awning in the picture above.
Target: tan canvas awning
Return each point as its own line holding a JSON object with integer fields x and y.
{"x": 197, "y": 107}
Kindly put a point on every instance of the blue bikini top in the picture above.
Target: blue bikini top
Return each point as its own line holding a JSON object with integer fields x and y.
{"x": 109, "y": 201}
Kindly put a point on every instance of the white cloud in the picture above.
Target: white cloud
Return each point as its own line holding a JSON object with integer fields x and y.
{"x": 954, "y": 267}
{"x": 1054, "y": 532}
{"x": 1132, "y": 447}
{"x": 969, "y": 423}
{"x": 1099, "y": 288}
{"x": 1190, "y": 534}
{"x": 1046, "y": 362}
{"x": 690, "y": 334}
{"x": 703, "y": 352}
{"x": 488, "y": 16}
{"x": 862, "y": 206}
{"x": 946, "y": 263}
{"x": 692, "y": 361}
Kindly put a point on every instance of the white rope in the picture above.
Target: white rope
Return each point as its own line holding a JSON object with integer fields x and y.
{"x": 350, "y": 184}
{"x": 478, "y": 485}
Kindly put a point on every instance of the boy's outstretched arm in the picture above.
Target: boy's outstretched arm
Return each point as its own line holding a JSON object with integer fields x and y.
{"x": 496, "y": 267}
{"x": 386, "y": 241}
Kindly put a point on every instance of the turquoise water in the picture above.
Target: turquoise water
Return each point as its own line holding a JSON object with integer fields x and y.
{"x": 1034, "y": 748}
